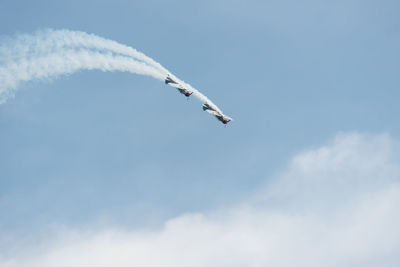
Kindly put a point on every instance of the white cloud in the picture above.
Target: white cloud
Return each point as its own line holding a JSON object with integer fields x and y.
{"x": 337, "y": 205}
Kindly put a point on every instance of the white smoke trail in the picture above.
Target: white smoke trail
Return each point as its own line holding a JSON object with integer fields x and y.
{"x": 46, "y": 41}
{"x": 66, "y": 62}
{"x": 50, "y": 53}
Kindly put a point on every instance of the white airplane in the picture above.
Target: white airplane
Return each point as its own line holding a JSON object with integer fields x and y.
{"x": 219, "y": 115}
{"x": 178, "y": 86}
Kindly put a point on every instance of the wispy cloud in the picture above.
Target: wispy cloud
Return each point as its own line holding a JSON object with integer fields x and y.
{"x": 336, "y": 205}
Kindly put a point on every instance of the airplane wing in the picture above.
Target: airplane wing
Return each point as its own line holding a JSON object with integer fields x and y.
{"x": 229, "y": 118}
{"x": 177, "y": 85}
{"x": 213, "y": 112}
{"x": 171, "y": 82}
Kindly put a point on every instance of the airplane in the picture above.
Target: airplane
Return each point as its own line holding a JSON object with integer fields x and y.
{"x": 178, "y": 86}
{"x": 219, "y": 115}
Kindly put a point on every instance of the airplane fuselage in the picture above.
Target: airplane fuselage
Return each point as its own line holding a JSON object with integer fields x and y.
{"x": 221, "y": 117}
{"x": 178, "y": 86}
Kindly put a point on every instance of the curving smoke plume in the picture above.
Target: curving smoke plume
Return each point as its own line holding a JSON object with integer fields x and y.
{"x": 50, "y": 53}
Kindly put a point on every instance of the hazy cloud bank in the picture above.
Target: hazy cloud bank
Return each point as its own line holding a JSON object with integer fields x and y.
{"x": 336, "y": 205}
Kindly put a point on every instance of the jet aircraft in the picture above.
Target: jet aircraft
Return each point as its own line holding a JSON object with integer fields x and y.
{"x": 178, "y": 86}
{"x": 219, "y": 115}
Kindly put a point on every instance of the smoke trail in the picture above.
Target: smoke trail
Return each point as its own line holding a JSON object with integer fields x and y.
{"x": 66, "y": 62}
{"x": 46, "y": 41}
{"x": 50, "y": 53}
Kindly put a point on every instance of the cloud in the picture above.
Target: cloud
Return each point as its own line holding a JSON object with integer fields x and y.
{"x": 336, "y": 205}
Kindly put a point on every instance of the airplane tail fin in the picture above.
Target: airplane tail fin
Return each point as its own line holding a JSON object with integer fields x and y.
{"x": 205, "y": 107}
{"x": 169, "y": 80}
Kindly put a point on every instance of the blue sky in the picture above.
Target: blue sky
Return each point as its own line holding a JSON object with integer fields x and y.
{"x": 95, "y": 149}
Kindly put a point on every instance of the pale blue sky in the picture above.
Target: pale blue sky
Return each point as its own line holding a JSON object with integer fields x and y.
{"x": 127, "y": 150}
